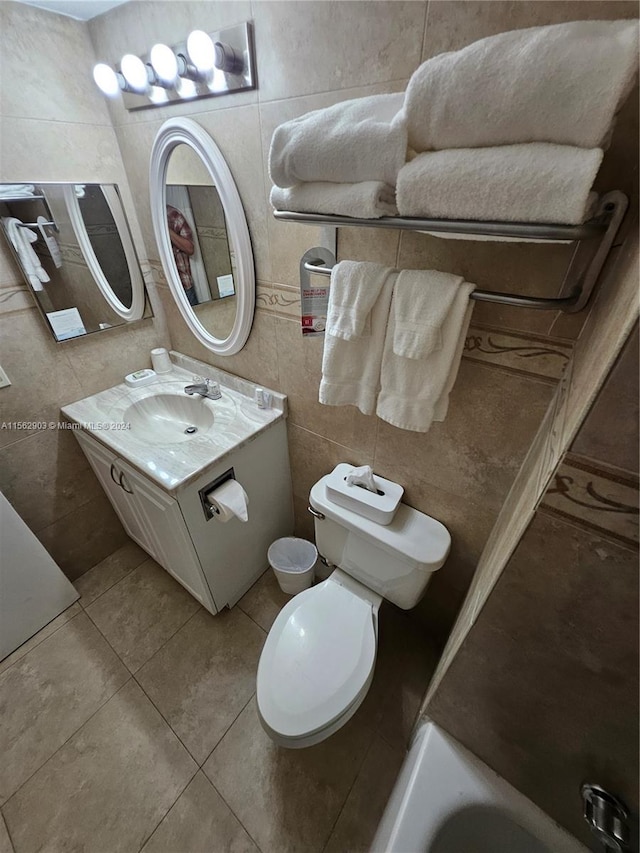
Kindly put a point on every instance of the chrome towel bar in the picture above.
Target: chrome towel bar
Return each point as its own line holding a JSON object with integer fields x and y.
{"x": 604, "y": 225}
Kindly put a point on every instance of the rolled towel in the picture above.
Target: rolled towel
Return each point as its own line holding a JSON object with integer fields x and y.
{"x": 359, "y": 140}
{"x": 561, "y": 83}
{"x": 413, "y": 392}
{"x": 422, "y": 299}
{"x": 366, "y": 200}
{"x": 16, "y": 190}
{"x": 351, "y": 368}
{"x": 538, "y": 182}
{"x": 355, "y": 287}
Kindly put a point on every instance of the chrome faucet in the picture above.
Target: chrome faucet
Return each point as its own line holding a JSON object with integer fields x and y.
{"x": 205, "y": 388}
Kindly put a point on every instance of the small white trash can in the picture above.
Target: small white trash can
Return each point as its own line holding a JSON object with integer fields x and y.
{"x": 293, "y": 561}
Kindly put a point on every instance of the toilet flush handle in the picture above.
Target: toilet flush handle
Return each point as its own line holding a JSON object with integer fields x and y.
{"x": 315, "y": 513}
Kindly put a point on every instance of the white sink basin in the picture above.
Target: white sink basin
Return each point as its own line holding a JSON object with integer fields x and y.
{"x": 168, "y": 435}
{"x": 170, "y": 418}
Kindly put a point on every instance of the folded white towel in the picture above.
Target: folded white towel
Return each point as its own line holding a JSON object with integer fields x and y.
{"x": 539, "y": 182}
{"x": 16, "y": 190}
{"x": 21, "y": 239}
{"x": 422, "y": 300}
{"x": 360, "y": 140}
{"x": 366, "y": 200}
{"x": 351, "y": 368}
{"x": 561, "y": 83}
{"x": 355, "y": 287}
{"x": 415, "y": 392}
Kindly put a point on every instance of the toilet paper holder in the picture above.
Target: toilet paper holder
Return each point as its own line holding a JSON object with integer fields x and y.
{"x": 209, "y": 511}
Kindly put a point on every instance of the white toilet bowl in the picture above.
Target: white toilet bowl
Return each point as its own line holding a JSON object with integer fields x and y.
{"x": 318, "y": 661}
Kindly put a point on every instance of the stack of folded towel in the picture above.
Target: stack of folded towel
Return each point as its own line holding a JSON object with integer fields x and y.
{"x": 394, "y": 341}
{"x": 341, "y": 160}
{"x": 512, "y": 126}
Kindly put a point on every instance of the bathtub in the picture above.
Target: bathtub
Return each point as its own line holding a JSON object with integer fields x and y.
{"x": 446, "y": 800}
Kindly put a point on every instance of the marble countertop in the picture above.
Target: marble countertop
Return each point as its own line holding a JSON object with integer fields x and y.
{"x": 237, "y": 419}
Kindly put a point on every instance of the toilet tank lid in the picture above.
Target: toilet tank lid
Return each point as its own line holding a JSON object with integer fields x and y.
{"x": 412, "y": 534}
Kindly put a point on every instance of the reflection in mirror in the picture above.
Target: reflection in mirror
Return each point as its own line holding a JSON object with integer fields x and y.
{"x": 74, "y": 247}
{"x": 200, "y": 241}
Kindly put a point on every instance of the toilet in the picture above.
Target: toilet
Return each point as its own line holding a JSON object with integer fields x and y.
{"x": 318, "y": 661}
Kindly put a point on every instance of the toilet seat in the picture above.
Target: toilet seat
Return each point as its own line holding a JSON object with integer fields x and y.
{"x": 318, "y": 661}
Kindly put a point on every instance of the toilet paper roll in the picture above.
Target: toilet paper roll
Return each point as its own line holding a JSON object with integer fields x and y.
{"x": 229, "y": 501}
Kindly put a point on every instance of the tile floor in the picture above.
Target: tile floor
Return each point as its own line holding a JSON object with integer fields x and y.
{"x": 129, "y": 723}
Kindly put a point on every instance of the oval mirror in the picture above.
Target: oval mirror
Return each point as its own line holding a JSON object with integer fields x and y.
{"x": 99, "y": 223}
{"x": 202, "y": 235}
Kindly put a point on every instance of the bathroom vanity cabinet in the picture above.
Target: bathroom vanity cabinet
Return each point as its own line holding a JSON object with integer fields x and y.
{"x": 216, "y": 562}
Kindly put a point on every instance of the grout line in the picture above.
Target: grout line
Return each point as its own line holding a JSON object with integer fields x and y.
{"x": 424, "y": 31}
{"x": 115, "y": 583}
{"x": 229, "y": 727}
{"x": 39, "y": 643}
{"x": 352, "y": 786}
{"x": 3, "y": 819}
{"x": 166, "y": 720}
{"x": 157, "y": 826}
{"x": 71, "y": 736}
{"x": 231, "y": 810}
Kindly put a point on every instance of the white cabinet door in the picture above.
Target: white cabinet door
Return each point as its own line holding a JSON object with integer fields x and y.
{"x": 107, "y": 469}
{"x": 175, "y": 551}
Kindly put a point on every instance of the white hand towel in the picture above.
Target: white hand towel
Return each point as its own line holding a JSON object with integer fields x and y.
{"x": 355, "y": 287}
{"x": 539, "y": 182}
{"x": 359, "y": 140}
{"x": 366, "y": 200}
{"x": 562, "y": 83}
{"x": 351, "y": 368}
{"x": 21, "y": 239}
{"x": 421, "y": 302}
{"x": 415, "y": 392}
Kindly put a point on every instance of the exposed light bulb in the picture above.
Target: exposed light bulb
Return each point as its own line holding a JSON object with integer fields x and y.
{"x": 158, "y": 95}
{"x": 164, "y": 63}
{"x": 106, "y": 79}
{"x": 186, "y": 89}
{"x": 134, "y": 72}
{"x": 201, "y": 51}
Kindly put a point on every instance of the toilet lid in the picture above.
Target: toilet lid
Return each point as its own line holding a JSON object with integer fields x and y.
{"x": 317, "y": 659}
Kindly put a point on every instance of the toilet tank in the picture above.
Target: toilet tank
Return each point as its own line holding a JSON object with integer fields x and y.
{"x": 396, "y": 560}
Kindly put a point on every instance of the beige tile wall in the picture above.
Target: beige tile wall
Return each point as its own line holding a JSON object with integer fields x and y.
{"x": 310, "y": 55}
{"x": 54, "y": 127}
{"x": 544, "y": 686}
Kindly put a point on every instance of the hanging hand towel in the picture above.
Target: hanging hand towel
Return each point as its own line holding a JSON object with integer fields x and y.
{"x": 538, "y": 182}
{"x": 21, "y": 239}
{"x": 415, "y": 392}
{"x": 421, "y": 303}
{"x": 366, "y": 200}
{"x": 359, "y": 140}
{"x": 562, "y": 83}
{"x": 351, "y": 367}
{"x": 16, "y": 190}
{"x": 355, "y": 287}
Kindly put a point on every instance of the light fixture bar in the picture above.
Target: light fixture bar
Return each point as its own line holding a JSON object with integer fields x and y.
{"x": 219, "y": 63}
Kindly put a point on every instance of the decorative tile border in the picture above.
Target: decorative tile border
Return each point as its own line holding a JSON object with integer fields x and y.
{"x": 280, "y": 300}
{"x": 530, "y": 355}
{"x": 597, "y": 498}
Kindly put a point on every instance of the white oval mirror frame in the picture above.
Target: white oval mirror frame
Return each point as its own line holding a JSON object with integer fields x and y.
{"x": 136, "y": 309}
{"x": 184, "y": 131}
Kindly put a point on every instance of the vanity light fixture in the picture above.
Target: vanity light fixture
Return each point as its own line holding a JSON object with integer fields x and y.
{"x": 206, "y": 65}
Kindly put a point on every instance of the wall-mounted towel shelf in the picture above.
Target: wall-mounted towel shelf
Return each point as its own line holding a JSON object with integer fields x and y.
{"x": 604, "y": 226}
